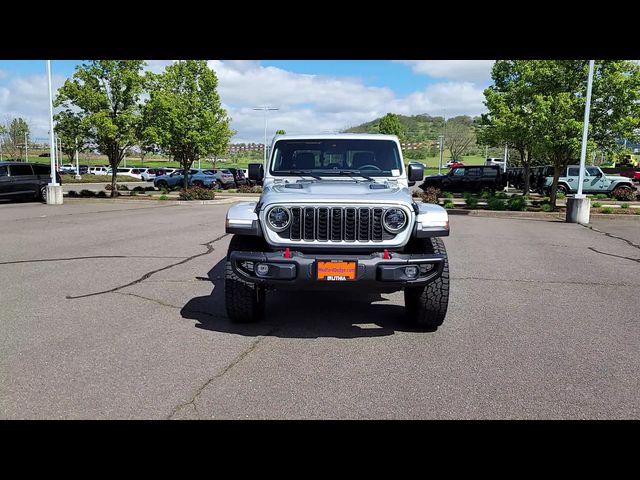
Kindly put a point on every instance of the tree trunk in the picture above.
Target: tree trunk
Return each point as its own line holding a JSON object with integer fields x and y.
{"x": 114, "y": 184}
{"x": 554, "y": 185}
{"x": 185, "y": 176}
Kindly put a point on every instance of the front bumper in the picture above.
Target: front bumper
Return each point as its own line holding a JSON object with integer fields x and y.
{"x": 373, "y": 272}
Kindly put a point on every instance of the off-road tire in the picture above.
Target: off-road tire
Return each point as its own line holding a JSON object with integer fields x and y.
{"x": 562, "y": 189}
{"x": 426, "y": 307}
{"x": 162, "y": 184}
{"x": 245, "y": 301}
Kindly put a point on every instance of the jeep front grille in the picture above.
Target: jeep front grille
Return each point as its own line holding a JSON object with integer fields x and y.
{"x": 337, "y": 224}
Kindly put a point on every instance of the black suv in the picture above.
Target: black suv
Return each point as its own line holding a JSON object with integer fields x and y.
{"x": 471, "y": 178}
{"x": 238, "y": 176}
{"x": 24, "y": 180}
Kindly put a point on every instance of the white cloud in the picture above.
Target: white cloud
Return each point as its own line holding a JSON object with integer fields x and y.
{"x": 3, "y": 74}
{"x": 307, "y": 103}
{"x": 463, "y": 70}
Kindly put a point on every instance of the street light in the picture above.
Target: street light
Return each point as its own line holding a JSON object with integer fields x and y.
{"x": 54, "y": 190}
{"x": 265, "y": 109}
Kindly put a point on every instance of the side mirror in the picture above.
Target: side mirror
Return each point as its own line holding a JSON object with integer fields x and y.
{"x": 256, "y": 171}
{"x": 415, "y": 172}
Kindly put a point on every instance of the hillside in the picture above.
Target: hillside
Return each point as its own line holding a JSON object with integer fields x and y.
{"x": 418, "y": 128}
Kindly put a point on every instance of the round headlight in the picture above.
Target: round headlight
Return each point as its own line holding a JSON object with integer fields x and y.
{"x": 278, "y": 218}
{"x": 394, "y": 220}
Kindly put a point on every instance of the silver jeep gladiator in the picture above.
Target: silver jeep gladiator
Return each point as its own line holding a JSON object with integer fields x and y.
{"x": 336, "y": 213}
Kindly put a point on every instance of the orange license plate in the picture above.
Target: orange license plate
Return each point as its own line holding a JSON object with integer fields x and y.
{"x": 336, "y": 271}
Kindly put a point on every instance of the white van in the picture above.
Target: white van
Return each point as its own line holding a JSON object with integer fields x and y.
{"x": 495, "y": 161}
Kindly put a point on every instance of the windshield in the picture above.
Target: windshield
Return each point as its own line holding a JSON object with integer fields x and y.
{"x": 379, "y": 158}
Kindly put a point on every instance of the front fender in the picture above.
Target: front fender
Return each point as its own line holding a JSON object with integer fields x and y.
{"x": 242, "y": 219}
{"x": 431, "y": 221}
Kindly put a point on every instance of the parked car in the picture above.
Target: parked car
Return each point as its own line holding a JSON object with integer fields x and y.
{"x": 200, "y": 178}
{"x": 223, "y": 177}
{"x": 67, "y": 168}
{"x": 595, "y": 181}
{"x": 99, "y": 170}
{"x": 147, "y": 174}
{"x": 467, "y": 179}
{"x": 495, "y": 161}
{"x": 632, "y": 174}
{"x": 25, "y": 180}
{"x": 238, "y": 176}
{"x": 454, "y": 164}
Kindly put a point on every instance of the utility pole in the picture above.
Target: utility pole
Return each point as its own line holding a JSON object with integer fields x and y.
{"x": 265, "y": 109}
{"x": 26, "y": 148}
{"x": 441, "y": 153}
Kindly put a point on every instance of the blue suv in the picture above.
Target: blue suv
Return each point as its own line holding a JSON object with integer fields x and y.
{"x": 197, "y": 178}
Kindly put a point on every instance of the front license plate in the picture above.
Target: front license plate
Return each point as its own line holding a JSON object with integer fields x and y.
{"x": 336, "y": 271}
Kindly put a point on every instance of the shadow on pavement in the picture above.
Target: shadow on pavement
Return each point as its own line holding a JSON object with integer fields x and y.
{"x": 299, "y": 314}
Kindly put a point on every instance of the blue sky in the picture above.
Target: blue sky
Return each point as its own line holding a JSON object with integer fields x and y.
{"x": 313, "y": 95}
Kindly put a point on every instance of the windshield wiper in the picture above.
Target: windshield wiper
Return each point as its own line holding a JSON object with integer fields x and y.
{"x": 303, "y": 172}
{"x": 351, "y": 173}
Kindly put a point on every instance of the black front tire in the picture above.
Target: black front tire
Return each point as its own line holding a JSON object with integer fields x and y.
{"x": 426, "y": 307}
{"x": 245, "y": 301}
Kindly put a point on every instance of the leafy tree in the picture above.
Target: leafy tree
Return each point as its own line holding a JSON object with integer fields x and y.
{"x": 541, "y": 104}
{"x": 281, "y": 132}
{"x": 13, "y": 136}
{"x": 459, "y": 135}
{"x": 70, "y": 129}
{"x": 390, "y": 125}
{"x": 106, "y": 95}
{"x": 184, "y": 114}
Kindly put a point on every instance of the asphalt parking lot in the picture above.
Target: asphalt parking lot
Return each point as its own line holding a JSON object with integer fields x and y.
{"x": 116, "y": 311}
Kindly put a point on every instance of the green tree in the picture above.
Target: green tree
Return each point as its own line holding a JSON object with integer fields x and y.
{"x": 390, "y": 125}
{"x": 551, "y": 98}
{"x": 106, "y": 95}
{"x": 459, "y": 135}
{"x": 184, "y": 114}
{"x": 13, "y": 137}
{"x": 280, "y": 132}
{"x": 71, "y": 132}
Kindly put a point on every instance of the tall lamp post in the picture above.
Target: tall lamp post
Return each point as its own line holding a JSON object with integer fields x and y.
{"x": 265, "y": 109}
{"x": 579, "y": 207}
{"x": 54, "y": 190}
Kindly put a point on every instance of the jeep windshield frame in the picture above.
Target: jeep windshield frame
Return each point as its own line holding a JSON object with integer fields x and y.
{"x": 336, "y": 158}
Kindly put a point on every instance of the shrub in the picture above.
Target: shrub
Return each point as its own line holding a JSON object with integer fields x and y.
{"x": 414, "y": 194}
{"x": 150, "y": 189}
{"x": 448, "y": 204}
{"x": 486, "y": 195}
{"x": 496, "y": 204}
{"x": 133, "y": 194}
{"x": 138, "y": 189}
{"x": 87, "y": 193}
{"x": 517, "y": 203}
{"x": 560, "y": 195}
{"x": 118, "y": 187}
{"x": 72, "y": 193}
{"x": 606, "y": 210}
{"x": 601, "y": 196}
{"x": 596, "y": 204}
{"x": 546, "y": 207}
{"x": 448, "y": 195}
{"x": 102, "y": 194}
{"x": 430, "y": 195}
{"x": 163, "y": 197}
{"x": 501, "y": 195}
{"x": 471, "y": 201}
{"x": 637, "y": 211}
{"x": 624, "y": 205}
{"x": 258, "y": 189}
{"x": 197, "y": 193}
{"x": 623, "y": 194}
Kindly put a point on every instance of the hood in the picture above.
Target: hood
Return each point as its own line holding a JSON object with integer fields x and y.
{"x": 616, "y": 178}
{"x": 336, "y": 191}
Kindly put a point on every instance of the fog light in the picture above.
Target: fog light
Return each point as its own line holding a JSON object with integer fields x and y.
{"x": 411, "y": 271}
{"x": 426, "y": 267}
{"x": 262, "y": 269}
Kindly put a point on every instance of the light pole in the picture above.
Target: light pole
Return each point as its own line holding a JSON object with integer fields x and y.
{"x": 579, "y": 207}
{"x": 265, "y": 109}
{"x": 26, "y": 148}
{"x": 54, "y": 191}
{"x": 75, "y": 151}
{"x": 441, "y": 153}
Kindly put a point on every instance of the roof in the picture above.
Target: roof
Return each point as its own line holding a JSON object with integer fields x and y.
{"x": 338, "y": 136}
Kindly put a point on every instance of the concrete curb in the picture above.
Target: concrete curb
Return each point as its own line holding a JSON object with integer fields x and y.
{"x": 221, "y": 201}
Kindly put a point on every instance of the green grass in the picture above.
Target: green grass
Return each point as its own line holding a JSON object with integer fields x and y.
{"x": 624, "y": 205}
{"x": 606, "y": 210}
{"x": 596, "y": 204}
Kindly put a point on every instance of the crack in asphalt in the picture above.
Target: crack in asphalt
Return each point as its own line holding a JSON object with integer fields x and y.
{"x": 209, "y": 250}
{"x": 559, "y": 282}
{"x": 160, "y": 302}
{"x": 634, "y": 245}
{"x": 13, "y": 262}
{"x": 236, "y": 361}
{"x": 637, "y": 260}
